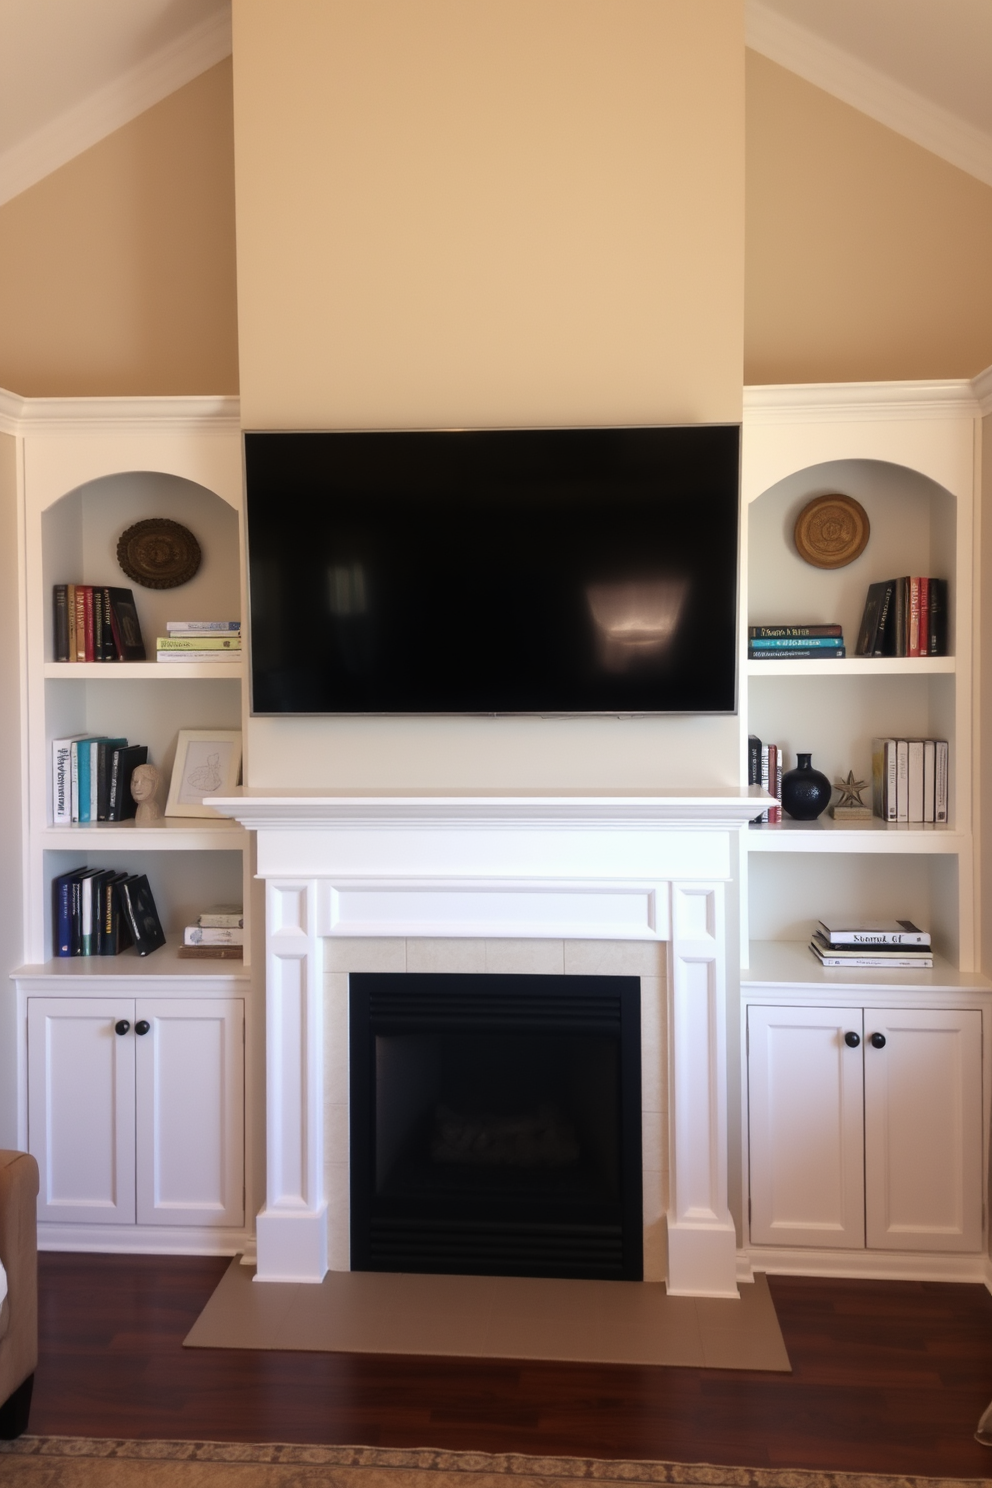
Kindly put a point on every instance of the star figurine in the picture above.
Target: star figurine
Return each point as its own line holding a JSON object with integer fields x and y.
{"x": 850, "y": 790}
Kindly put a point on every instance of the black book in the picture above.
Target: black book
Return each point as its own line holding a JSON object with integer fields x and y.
{"x": 115, "y": 932}
{"x": 897, "y": 633}
{"x": 124, "y": 627}
{"x": 754, "y": 766}
{"x": 937, "y": 618}
{"x": 60, "y": 619}
{"x": 121, "y": 804}
{"x": 76, "y": 911}
{"x": 791, "y": 632}
{"x": 104, "y": 755}
{"x": 868, "y": 633}
{"x": 884, "y": 619}
{"x": 139, "y": 910}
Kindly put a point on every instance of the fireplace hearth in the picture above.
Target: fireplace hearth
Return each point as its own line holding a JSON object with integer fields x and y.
{"x": 496, "y": 1125}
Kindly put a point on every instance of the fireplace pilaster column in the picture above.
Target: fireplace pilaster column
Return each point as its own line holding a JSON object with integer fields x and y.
{"x": 702, "y": 1244}
{"x": 292, "y": 1228}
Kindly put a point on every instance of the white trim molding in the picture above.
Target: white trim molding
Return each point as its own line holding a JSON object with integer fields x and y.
{"x": 865, "y": 88}
{"x": 826, "y": 402}
{"x": 115, "y": 104}
{"x": 982, "y": 388}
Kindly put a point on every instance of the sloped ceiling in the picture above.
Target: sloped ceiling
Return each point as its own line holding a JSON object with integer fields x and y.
{"x": 72, "y": 71}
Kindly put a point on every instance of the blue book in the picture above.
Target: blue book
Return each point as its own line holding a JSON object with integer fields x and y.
{"x": 796, "y": 643}
{"x": 62, "y": 909}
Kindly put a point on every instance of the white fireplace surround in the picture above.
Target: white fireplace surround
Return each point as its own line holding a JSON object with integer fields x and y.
{"x": 650, "y": 866}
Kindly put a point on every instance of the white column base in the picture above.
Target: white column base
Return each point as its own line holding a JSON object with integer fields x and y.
{"x": 702, "y": 1260}
{"x": 292, "y": 1246}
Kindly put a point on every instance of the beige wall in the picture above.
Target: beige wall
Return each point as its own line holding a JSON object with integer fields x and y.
{"x": 488, "y": 213}
{"x": 117, "y": 271}
{"x": 867, "y": 257}
{"x": 11, "y": 933}
{"x": 496, "y": 213}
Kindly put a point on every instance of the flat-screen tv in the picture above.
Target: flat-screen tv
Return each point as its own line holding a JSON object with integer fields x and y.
{"x": 546, "y": 571}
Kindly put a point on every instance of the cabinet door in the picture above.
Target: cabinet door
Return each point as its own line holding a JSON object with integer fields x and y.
{"x": 190, "y": 1111}
{"x": 806, "y": 1127}
{"x": 923, "y": 1130}
{"x": 81, "y": 1108}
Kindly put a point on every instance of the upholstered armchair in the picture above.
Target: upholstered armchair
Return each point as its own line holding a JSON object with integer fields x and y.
{"x": 19, "y": 1309}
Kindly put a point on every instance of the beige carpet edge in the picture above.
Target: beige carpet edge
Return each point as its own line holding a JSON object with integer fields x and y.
{"x": 444, "y": 1464}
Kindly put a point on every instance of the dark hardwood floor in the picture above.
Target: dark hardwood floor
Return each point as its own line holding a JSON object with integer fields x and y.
{"x": 888, "y": 1377}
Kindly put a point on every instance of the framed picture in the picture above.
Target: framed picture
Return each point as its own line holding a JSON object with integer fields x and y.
{"x": 208, "y": 763}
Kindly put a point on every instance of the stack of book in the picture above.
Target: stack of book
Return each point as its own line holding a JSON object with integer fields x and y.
{"x": 218, "y": 935}
{"x": 91, "y": 778}
{"x": 782, "y": 642}
{"x": 904, "y": 617}
{"x": 764, "y": 767}
{"x": 91, "y": 623}
{"x": 900, "y": 945}
{"x": 909, "y": 780}
{"x": 100, "y": 912}
{"x": 200, "y": 640}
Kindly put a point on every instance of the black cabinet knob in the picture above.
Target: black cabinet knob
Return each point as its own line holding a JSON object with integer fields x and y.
{"x": 852, "y": 1040}
{"x": 122, "y": 1027}
{"x": 142, "y": 1027}
{"x": 878, "y": 1040}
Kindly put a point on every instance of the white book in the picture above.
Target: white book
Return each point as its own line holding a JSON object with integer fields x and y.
{"x": 915, "y": 779}
{"x": 902, "y": 780}
{"x": 212, "y": 935}
{"x": 764, "y": 777}
{"x": 223, "y": 917}
{"x": 929, "y": 794}
{"x": 229, "y": 656}
{"x": 62, "y": 778}
{"x": 881, "y": 932}
{"x": 881, "y": 963}
{"x": 205, "y": 626}
{"x": 940, "y": 781}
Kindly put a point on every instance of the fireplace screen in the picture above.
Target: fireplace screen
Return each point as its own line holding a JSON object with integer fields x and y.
{"x": 496, "y": 1125}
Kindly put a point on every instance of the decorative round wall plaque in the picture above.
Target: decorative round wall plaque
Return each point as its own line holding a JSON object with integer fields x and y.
{"x": 832, "y": 531}
{"x": 159, "y": 553}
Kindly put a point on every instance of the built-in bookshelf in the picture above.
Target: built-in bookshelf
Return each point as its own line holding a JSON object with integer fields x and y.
{"x": 89, "y": 469}
{"x": 907, "y": 454}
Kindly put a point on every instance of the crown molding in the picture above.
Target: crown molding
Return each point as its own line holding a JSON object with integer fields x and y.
{"x": 115, "y": 104}
{"x": 865, "y": 88}
{"x": 812, "y": 402}
{"x": 22, "y": 415}
{"x": 982, "y": 388}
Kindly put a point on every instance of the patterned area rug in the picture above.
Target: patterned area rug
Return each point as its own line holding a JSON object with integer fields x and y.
{"x": 80, "y": 1462}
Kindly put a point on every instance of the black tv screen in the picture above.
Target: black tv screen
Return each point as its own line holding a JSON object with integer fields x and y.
{"x": 549, "y": 571}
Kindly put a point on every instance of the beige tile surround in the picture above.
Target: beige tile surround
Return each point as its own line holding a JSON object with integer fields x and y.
{"x": 644, "y": 959}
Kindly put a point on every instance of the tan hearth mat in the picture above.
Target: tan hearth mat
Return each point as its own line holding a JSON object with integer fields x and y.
{"x": 494, "y": 1317}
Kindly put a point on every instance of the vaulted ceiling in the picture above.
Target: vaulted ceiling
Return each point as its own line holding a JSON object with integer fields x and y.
{"x": 71, "y": 71}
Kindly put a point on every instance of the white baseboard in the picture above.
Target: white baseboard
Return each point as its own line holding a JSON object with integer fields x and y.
{"x": 870, "y": 1265}
{"x": 143, "y": 1239}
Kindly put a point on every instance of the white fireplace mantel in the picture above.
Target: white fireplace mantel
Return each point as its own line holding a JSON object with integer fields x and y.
{"x": 606, "y": 865}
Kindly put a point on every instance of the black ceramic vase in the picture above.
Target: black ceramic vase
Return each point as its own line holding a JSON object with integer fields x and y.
{"x": 805, "y": 791}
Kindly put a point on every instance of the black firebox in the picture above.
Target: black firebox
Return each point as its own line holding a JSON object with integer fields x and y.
{"x": 496, "y": 1125}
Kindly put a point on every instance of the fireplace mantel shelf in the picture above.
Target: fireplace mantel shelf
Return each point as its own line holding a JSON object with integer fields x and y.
{"x": 721, "y": 809}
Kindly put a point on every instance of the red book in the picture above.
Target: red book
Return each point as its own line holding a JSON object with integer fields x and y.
{"x": 88, "y": 595}
{"x": 80, "y": 623}
{"x": 913, "y": 649}
{"x": 924, "y": 617}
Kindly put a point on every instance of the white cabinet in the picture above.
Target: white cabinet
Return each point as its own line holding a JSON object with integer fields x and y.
{"x": 806, "y": 1120}
{"x": 923, "y": 1130}
{"x": 136, "y": 1109}
{"x": 873, "y": 1143}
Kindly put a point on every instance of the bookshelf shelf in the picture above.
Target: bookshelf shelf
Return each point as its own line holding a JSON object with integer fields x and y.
{"x": 144, "y": 671}
{"x": 172, "y": 834}
{"x": 856, "y": 666}
{"x": 162, "y": 965}
{"x": 875, "y": 836}
{"x": 790, "y": 965}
